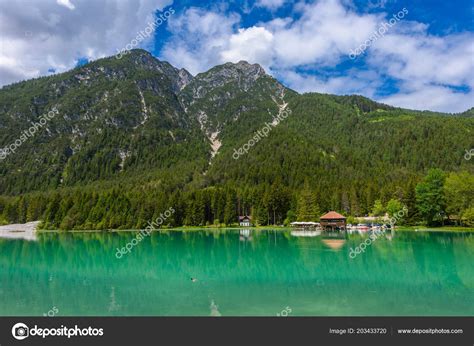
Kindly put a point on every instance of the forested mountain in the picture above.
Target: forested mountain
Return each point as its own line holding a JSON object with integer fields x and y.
{"x": 135, "y": 136}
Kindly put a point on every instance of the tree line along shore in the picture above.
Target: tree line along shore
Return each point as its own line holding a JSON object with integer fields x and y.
{"x": 438, "y": 199}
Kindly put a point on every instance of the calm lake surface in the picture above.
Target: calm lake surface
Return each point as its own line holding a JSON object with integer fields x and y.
{"x": 239, "y": 273}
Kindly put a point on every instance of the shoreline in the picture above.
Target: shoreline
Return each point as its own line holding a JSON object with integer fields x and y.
{"x": 26, "y": 231}
{"x": 276, "y": 228}
{"x": 30, "y": 229}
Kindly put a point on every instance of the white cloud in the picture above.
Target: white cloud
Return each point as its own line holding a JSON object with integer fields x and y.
{"x": 270, "y": 4}
{"x": 38, "y": 35}
{"x": 323, "y": 35}
{"x": 252, "y": 44}
{"x": 429, "y": 69}
{"x": 66, "y": 3}
{"x": 432, "y": 97}
{"x": 199, "y": 38}
{"x": 355, "y": 82}
{"x": 429, "y": 59}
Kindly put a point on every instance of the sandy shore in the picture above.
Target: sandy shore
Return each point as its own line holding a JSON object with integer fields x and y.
{"x": 25, "y": 231}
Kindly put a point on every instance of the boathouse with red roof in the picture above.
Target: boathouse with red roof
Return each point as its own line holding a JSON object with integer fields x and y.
{"x": 333, "y": 221}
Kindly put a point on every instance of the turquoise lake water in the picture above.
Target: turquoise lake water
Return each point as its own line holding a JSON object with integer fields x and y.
{"x": 238, "y": 273}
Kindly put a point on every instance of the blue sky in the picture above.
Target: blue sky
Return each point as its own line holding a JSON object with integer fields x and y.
{"x": 423, "y": 58}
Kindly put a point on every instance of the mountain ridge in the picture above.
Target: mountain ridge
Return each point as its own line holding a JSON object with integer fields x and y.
{"x": 186, "y": 76}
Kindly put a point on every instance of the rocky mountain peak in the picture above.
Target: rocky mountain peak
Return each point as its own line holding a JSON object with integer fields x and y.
{"x": 250, "y": 69}
{"x": 241, "y": 76}
{"x": 184, "y": 78}
{"x": 179, "y": 77}
{"x": 229, "y": 71}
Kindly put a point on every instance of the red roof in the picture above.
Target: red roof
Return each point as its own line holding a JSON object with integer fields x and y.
{"x": 332, "y": 215}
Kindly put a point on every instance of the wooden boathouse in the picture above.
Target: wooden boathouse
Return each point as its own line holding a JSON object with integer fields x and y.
{"x": 333, "y": 221}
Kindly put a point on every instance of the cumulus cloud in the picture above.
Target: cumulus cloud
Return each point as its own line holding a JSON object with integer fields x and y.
{"x": 199, "y": 38}
{"x": 38, "y": 36}
{"x": 430, "y": 72}
{"x": 252, "y": 44}
{"x": 323, "y": 35}
{"x": 432, "y": 97}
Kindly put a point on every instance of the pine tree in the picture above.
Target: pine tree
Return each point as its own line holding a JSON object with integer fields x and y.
{"x": 308, "y": 209}
{"x": 230, "y": 216}
{"x": 409, "y": 201}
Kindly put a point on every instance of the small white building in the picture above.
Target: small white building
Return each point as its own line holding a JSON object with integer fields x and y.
{"x": 245, "y": 221}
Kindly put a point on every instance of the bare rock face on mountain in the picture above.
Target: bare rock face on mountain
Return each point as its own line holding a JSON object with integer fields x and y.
{"x": 210, "y": 98}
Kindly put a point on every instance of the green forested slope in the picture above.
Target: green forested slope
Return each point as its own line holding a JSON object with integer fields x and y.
{"x": 133, "y": 137}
